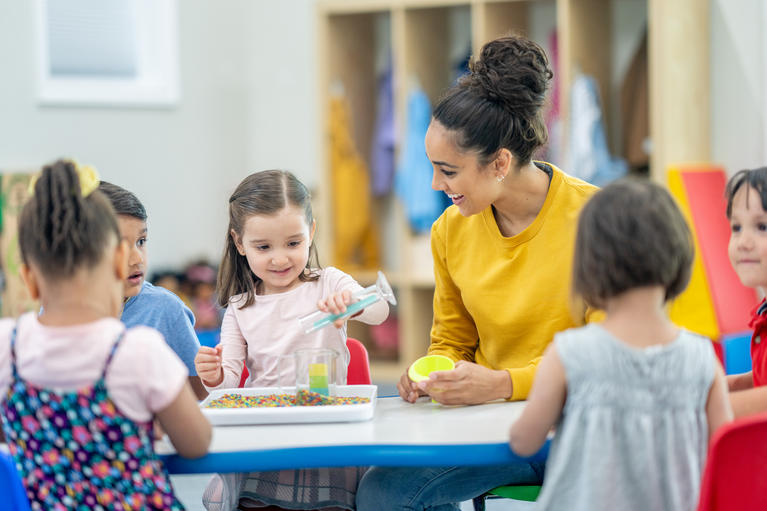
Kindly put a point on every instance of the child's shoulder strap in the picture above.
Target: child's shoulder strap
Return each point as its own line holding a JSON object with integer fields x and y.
{"x": 112, "y": 352}
{"x": 13, "y": 351}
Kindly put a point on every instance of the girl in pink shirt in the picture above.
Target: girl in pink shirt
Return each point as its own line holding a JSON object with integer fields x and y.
{"x": 77, "y": 390}
{"x": 269, "y": 277}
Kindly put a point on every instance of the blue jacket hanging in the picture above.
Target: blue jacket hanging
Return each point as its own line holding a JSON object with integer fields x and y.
{"x": 382, "y": 154}
{"x": 590, "y": 157}
{"x": 413, "y": 180}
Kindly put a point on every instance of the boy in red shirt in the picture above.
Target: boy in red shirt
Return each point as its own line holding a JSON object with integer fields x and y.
{"x": 747, "y": 212}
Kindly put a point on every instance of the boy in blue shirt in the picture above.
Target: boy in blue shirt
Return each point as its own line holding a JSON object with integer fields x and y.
{"x": 146, "y": 304}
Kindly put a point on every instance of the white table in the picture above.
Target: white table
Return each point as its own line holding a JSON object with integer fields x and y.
{"x": 400, "y": 434}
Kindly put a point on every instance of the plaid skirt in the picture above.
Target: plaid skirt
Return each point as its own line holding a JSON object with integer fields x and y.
{"x": 329, "y": 489}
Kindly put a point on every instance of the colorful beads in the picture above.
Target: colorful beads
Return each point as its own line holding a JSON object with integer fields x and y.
{"x": 305, "y": 398}
{"x": 312, "y": 398}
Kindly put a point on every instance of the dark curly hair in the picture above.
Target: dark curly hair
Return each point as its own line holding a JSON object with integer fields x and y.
{"x": 59, "y": 229}
{"x": 498, "y": 104}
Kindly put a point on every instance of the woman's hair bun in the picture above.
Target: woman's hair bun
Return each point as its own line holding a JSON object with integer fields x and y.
{"x": 511, "y": 71}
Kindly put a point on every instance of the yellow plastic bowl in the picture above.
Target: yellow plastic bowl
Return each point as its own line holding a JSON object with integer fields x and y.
{"x": 424, "y": 366}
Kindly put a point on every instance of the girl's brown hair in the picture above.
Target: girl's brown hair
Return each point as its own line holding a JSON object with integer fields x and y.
{"x": 631, "y": 234}
{"x": 59, "y": 229}
{"x": 263, "y": 193}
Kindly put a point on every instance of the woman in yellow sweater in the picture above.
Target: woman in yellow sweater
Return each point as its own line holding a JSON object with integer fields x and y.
{"x": 502, "y": 261}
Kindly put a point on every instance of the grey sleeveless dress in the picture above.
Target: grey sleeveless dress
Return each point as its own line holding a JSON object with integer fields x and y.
{"x": 634, "y": 432}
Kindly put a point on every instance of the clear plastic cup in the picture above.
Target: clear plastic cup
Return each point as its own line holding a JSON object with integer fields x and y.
{"x": 315, "y": 375}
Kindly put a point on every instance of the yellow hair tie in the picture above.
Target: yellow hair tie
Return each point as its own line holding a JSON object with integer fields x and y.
{"x": 86, "y": 174}
{"x": 89, "y": 178}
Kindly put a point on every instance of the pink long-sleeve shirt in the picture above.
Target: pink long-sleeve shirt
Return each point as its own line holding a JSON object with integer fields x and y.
{"x": 265, "y": 334}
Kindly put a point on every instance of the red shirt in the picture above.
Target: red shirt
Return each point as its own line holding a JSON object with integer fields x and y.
{"x": 759, "y": 344}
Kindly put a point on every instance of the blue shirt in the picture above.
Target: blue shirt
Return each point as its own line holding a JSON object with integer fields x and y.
{"x": 162, "y": 310}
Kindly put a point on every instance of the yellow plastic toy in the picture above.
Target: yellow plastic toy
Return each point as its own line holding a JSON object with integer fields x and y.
{"x": 424, "y": 366}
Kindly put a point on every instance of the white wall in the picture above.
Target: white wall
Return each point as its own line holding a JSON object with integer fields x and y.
{"x": 248, "y": 103}
{"x": 738, "y": 86}
{"x": 283, "y": 108}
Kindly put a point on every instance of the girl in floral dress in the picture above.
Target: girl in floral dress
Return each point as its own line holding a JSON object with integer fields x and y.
{"x": 79, "y": 391}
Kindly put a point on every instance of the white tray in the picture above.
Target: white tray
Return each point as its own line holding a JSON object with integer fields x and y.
{"x": 291, "y": 414}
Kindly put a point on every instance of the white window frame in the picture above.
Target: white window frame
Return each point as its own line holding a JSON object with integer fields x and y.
{"x": 157, "y": 79}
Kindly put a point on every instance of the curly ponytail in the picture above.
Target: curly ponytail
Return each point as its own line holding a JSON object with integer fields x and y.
{"x": 59, "y": 229}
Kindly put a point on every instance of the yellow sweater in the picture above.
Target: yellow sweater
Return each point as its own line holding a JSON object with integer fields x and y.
{"x": 499, "y": 301}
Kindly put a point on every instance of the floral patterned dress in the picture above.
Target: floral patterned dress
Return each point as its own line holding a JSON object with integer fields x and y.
{"x": 76, "y": 450}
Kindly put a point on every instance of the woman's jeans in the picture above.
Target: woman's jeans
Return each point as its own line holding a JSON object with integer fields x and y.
{"x": 437, "y": 488}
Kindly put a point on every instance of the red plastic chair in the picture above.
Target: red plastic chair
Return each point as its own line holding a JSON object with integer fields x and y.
{"x": 736, "y": 467}
{"x": 358, "y": 372}
{"x": 244, "y": 377}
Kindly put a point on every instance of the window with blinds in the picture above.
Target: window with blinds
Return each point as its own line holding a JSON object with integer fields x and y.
{"x": 109, "y": 52}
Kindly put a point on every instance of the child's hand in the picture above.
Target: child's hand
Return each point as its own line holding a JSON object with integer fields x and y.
{"x": 336, "y": 304}
{"x": 207, "y": 362}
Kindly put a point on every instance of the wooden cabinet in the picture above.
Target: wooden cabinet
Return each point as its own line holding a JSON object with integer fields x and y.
{"x": 423, "y": 39}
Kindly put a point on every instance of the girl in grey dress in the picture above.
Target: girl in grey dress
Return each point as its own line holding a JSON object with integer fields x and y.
{"x": 634, "y": 399}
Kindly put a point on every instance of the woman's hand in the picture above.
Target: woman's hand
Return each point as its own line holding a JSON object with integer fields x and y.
{"x": 207, "y": 362}
{"x": 407, "y": 389}
{"x": 336, "y": 304}
{"x": 467, "y": 384}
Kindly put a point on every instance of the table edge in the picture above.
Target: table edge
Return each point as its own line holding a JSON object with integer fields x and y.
{"x": 396, "y": 455}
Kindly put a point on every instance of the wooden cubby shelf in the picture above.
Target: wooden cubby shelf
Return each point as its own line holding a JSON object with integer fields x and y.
{"x": 422, "y": 36}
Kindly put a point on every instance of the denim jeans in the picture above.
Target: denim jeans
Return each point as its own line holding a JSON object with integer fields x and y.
{"x": 437, "y": 488}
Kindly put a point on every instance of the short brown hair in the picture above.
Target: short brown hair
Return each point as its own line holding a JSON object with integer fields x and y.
{"x": 123, "y": 201}
{"x": 631, "y": 234}
{"x": 753, "y": 178}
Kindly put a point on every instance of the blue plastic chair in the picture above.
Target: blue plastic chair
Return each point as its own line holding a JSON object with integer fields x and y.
{"x": 14, "y": 497}
{"x": 737, "y": 353}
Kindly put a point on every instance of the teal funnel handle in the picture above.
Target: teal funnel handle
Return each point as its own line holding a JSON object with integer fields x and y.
{"x": 381, "y": 290}
{"x": 350, "y": 311}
